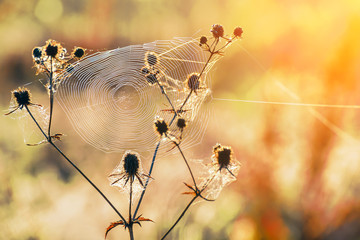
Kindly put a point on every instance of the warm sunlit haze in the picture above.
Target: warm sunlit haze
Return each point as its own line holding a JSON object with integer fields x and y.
{"x": 284, "y": 97}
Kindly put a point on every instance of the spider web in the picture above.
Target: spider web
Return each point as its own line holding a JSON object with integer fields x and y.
{"x": 112, "y": 106}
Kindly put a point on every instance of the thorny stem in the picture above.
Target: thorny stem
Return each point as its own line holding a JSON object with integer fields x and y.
{"x": 179, "y": 218}
{"x": 147, "y": 180}
{"x": 72, "y": 164}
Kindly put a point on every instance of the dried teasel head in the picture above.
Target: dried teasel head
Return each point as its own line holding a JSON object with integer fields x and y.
{"x": 161, "y": 127}
{"x": 22, "y": 97}
{"x": 238, "y": 31}
{"x": 128, "y": 169}
{"x": 217, "y": 30}
{"x": 151, "y": 59}
{"x": 203, "y": 40}
{"x": 37, "y": 53}
{"x": 193, "y": 82}
{"x": 151, "y": 78}
{"x": 181, "y": 123}
{"x": 223, "y": 155}
{"x": 131, "y": 164}
{"x": 78, "y": 52}
{"x": 52, "y": 48}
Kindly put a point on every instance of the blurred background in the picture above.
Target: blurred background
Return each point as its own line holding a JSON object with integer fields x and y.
{"x": 300, "y": 165}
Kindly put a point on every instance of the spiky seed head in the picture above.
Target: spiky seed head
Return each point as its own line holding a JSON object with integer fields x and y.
{"x": 145, "y": 70}
{"x": 193, "y": 81}
{"x": 78, "y": 52}
{"x": 22, "y": 96}
{"x": 203, "y": 40}
{"x": 131, "y": 163}
{"x": 223, "y": 155}
{"x": 52, "y": 48}
{"x": 151, "y": 78}
{"x": 181, "y": 123}
{"x": 217, "y": 30}
{"x": 238, "y": 32}
{"x": 151, "y": 58}
{"x": 37, "y": 53}
{"x": 161, "y": 127}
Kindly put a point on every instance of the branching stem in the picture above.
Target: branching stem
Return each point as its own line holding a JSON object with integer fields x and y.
{"x": 72, "y": 164}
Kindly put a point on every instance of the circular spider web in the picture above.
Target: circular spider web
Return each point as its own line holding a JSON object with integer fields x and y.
{"x": 113, "y": 107}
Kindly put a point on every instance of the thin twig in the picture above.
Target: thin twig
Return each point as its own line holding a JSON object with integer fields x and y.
{"x": 179, "y": 218}
{"x": 72, "y": 164}
{"x": 51, "y": 97}
{"x": 147, "y": 181}
{"x": 131, "y": 231}
{"x": 187, "y": 164}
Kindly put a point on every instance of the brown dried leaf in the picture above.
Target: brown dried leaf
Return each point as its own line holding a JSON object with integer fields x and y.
{"x": 112, "y": 225}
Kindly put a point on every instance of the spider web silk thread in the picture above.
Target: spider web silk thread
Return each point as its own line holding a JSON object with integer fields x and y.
{"x": 112, "y": 107}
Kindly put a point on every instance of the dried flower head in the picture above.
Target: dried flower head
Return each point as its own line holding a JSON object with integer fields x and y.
{"x": 181, "y": 123}
{"x": 78, "y": 52}
{"x": 161, "y": 127}
{"x": 145, "y": 70}
{"x": 21, "y": 98}
{"x": 238, "y": 32}
{"x": 203, "y": 40}
{"x": 222, "y": 171}
{"x": 223, "y": 159}
{"x": 217, "y": 30}
{"x": 151, "y": 59}
{"x": 129, "y": 168}
{"x": 223, "y": 155}
{"x": 151, "y": 78}
{"x": 52, "y": 48}
{"x": 193, "y": 81}
{"x": 37, "y": 53}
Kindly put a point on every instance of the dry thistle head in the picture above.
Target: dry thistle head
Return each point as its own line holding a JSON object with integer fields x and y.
{"x": 161, "y": 127}
{"x": 145, "y": 70}
{"x": 193, "y": 82}
{"x": 21, "y": 98}
{"x": 131, "y": 164}
{"x": 181, "y": 123}
{"x": 151, "y": 59}
{"x": 203, "y": 40}
{"x": 217, "y": 30}
{"x": 128, "y": 169}
{"x": 78, "y": 52}
{"x": 223, "y": 155}
{"x": 37, "y": 53}
{"x": 222, "y": 159}
{"x": 151, "y": 78}
{"x": 52, "y": 48}
{"x": 238, "y": 32}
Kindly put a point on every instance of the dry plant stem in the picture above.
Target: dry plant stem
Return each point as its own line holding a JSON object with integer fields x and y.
{"x": 167, "y": 97}
{"x": 180, "y": 217}
{"x": 72, "y": 164}
{"x": 198, "y": 194}
{"x": 147, "y": 180}
{"x": 187, "y": 164}
{"x": 51, "y": 98}
{"x": 212, "y": 52}
{"x": 131, "y": 232}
